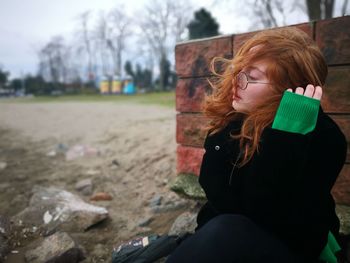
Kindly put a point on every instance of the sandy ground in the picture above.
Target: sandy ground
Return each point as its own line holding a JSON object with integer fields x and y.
{"x": 140, "y": 139}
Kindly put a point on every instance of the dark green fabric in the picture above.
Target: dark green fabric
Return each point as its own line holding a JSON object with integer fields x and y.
{"x": 328, "y": 253}
{"x": 298, "y": 113}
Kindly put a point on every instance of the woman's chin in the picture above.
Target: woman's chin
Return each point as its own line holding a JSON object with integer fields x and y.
{"x": 238, "y": 107}
{"x": 235, "y": 105}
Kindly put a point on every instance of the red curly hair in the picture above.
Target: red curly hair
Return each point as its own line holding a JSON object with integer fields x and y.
{"x": 293, "y": 60}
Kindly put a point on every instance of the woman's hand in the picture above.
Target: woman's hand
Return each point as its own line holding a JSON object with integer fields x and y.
{"x": 310, "y": 91}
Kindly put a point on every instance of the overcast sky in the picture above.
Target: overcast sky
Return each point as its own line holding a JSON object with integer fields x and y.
{"x": 26, "y": 26}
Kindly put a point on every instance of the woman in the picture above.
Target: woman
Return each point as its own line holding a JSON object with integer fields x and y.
{"x": 272, "y": 156}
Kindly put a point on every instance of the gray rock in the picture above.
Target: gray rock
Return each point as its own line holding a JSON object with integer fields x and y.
{"x": 145, "y": 221}
{"x": 186, "y": 222}
{"x": 59, "y": 247}
{"x": 84, "y": 186}
{"x": 53, "y": 208}
{"x": 155, "y": 201}
{"x": 343, "y": 213}
{"x": 170, "y": 206}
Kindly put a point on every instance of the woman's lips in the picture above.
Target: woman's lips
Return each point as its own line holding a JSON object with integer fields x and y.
{"x": 236, "y": 97}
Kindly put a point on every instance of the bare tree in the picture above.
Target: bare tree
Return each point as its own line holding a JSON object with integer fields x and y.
{"x": 110, "y": 34}
{"x": 182, "y": 14}
{"x": 85, "y": 42}
{"x": 263, "y": 9}
{"x": 101, "y": 36}
{"x": 51, "y": 61}
{"x": 72, "y": 67}
{"x": 273, "y": 13}
{"x": 315, "y": 10}
{"x": 119, "y": 31}
{"x": 162, "y": 25}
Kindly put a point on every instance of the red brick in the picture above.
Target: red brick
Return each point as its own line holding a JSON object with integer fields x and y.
{"x": 336, "y": 95}
{"x": 189, "y": 159}
{"x": 190, "y": 94}
{"x": 190, "y": 129}
{"x": 308, "y": 28}
{"x": 333, "y": 38}
{"x": 193, "y": 57}
{"x": 240, "y": 39}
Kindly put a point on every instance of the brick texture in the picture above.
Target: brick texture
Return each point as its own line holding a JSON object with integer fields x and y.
{"x": 193, "y": 58}
{"x": 190, "y": 129}
{"x": 333, "y": 37}
{"x": 190, "y": 94}
{"x": 189, "y": 159}
{"x": 336, "y": 97}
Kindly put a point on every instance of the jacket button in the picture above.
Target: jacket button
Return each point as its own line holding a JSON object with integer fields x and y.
{"x": 217, "y": 147}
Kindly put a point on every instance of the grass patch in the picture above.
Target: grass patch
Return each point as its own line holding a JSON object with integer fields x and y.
{"x": 166, "y": 99}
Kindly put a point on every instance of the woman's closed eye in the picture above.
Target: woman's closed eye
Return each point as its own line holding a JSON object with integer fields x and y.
{"x": 250, "y": 77}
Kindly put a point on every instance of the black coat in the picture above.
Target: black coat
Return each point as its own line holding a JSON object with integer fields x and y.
{"x": 284, "y": 189}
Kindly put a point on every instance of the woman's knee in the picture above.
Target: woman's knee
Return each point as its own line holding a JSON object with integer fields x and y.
{"x": 227, "y": 225}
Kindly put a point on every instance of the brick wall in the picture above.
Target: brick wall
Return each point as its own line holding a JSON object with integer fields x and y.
{"x": 192, "y": 67}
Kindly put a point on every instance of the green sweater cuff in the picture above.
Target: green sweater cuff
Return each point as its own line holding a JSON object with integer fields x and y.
{"x": 328, "y": 252}
{"x": 296, "y": 113}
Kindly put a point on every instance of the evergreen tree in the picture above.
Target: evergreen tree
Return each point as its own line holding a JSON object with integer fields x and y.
{"x": 138, "y": 76}
{"x": 147, "y": 79}
{"x": 4, "y": 75}
{"x": 203, "y": 25}
{"x": 128, "y": 68}
{"x": 37, "y": 85}
{"x": 16, "y": 84}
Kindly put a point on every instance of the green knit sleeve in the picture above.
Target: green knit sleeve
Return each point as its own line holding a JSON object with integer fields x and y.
{"x": 296, "y": 113}
{"x": 328, "y": 252}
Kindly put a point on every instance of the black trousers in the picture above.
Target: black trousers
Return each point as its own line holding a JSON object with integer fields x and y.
{"x": 231, "y": 238}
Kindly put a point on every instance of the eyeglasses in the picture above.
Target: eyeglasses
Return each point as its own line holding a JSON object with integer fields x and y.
{"x": 243, "y": 81}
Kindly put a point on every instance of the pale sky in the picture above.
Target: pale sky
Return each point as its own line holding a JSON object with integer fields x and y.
{"x": 26, "y": 26}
